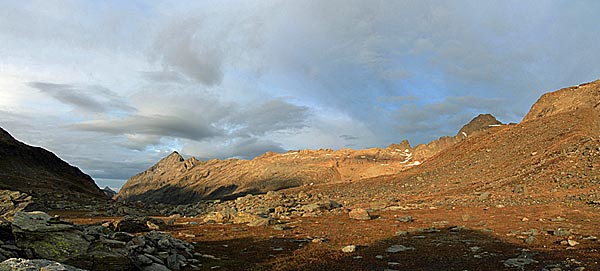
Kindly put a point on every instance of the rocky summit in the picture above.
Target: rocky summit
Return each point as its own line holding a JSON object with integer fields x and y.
{"x": 177, "y": 180}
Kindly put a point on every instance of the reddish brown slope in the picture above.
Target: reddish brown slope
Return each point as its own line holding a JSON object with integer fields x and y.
{"x": 553, "y": 156}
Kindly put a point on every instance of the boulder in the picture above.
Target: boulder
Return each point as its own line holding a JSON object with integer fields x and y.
{"x": 360, "y": 214}
{"x": 88, "y": 247}
{"x": 48, "y": 237}
{"x": 131, "y": 225}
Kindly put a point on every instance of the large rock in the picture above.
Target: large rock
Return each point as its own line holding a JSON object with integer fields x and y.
{"x": 48, "y": 237}
{"x": 12, "y": 202}
{"x": 19, "y": 264}
{"x": 360, "y": 214}
{"x": 51, "y": 238}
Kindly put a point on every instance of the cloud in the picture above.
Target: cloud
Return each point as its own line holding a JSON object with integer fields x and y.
{"x": 180, "y": 47}
{"x": 95, "y": 99}
{"x": 155, "y": 125}
{"x": 273, "y": 115}
{"x": 349, "y": 137}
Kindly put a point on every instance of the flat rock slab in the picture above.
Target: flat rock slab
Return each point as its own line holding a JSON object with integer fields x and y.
{"x": 398, "y": 248}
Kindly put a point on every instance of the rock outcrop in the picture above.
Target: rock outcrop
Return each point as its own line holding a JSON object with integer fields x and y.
{"x": 583, "y": 96}
{"x": 41, "y": 174}
{"x": 176, "y": 180}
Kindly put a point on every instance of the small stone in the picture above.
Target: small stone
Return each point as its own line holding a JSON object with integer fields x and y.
{"x": 172, "y": 262}
{"x": 561, "y": 232}
{"x": 154, "y": 258}
{"x": 398, "y": 248}
{"x": 484, "y": 195}
{"x": 152, "y": 226}
{"x": 359, "y": 214}
{"x": 155, "y": 267}
{"x": 379, "y": 257}
{"x": 349, "y": 249}
{"x": 405, "y": 219}
{"x": 401, "y": 233}
{"x": 144, "y": 260}
{"x": 572, "y": 243}
{"x": 530, "y": 239}
{"x": 280, "y": 227}
{"x": 519, "y": 262}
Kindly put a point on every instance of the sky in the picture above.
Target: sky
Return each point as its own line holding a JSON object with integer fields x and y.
{"x": 114, "y": 86}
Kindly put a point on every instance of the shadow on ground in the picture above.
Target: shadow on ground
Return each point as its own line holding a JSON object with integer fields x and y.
{"x": 447, "y": 249}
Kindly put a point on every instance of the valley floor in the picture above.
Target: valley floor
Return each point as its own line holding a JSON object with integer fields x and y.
{"x": 539, "y": 237}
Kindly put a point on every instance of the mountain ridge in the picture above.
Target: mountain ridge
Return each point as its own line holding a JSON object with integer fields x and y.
{"x": 177, "y": 180}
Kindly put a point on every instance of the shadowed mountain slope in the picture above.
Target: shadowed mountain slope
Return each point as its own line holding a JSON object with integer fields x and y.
{"x": 40, "y": 173}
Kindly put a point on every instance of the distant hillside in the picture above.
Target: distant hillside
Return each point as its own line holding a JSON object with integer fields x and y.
{"x": 552, "y": 155}
{"x": 177, "y": 180}
{"x": 40, "y": 173}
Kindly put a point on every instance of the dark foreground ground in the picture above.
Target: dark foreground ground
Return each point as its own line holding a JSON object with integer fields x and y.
{"x": 540, "y": 237}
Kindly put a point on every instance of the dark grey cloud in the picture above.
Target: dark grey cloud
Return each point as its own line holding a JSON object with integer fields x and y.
{"x": 95, "y": 99}
{"x": 156, "y": 125}
{"x": 273, "y": 115}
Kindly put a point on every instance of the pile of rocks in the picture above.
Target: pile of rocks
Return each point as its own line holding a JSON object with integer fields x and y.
{"x": 157, "y": 251}
{"x": 37, "y": 235}
{"x": 265, "y": 209}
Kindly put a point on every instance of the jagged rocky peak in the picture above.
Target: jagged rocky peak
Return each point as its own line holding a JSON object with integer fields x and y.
{"x": 479, "y": 123}
{"x": 404, "y": 145}
{"x": 172, "y": 159}
{"x": 567, "y": 99}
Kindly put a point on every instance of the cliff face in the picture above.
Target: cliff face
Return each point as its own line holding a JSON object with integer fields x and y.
{"x": 40, "y": 173}
{"x": 177, "y": 180}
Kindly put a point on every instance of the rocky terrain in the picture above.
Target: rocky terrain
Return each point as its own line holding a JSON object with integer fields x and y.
{"x": 494, "y": 197}
{"x": 176, "y": 180}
